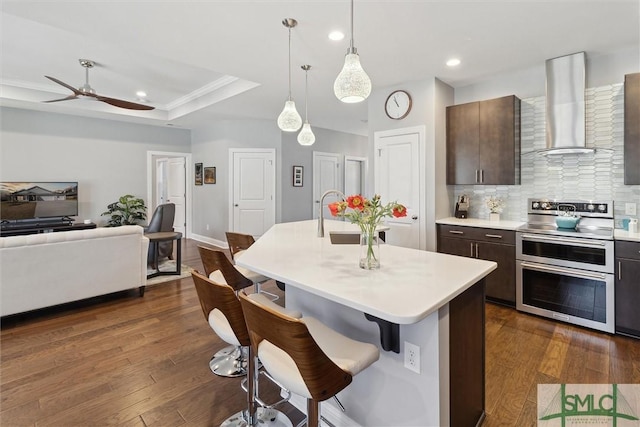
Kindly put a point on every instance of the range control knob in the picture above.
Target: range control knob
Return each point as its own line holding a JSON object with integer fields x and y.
{"x": 545, "y": 205}
{"x": 536, "y": 205}
{"x": 590, "y": 207}
{"x": 602, "y": 208}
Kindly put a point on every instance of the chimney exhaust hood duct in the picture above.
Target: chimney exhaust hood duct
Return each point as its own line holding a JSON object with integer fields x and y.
{"x": 565, "y": 114}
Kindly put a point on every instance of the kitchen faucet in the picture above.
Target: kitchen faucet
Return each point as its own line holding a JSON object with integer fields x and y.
{"x": 321, "y": 216}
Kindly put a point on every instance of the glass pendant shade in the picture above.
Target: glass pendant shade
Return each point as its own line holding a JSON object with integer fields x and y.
{"x": 306, "y": 136}
{"x": 352, "y": 84}
{"x": 289, "y": 120}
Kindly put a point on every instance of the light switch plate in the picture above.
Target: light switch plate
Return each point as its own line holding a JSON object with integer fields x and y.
{"x": 629, "y": 208}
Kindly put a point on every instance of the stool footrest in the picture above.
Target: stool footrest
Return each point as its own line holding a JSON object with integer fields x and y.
{"x": 262, "y": 403}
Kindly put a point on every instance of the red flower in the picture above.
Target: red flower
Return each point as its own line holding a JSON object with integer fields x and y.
{"x": 356, "y": 202}
{"x": 399, "y": 211}
{"x": 334, "y": 208}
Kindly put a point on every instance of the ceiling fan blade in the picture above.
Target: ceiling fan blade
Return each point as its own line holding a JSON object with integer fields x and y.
{"x": 61, "y": 83}
{"x": 63, "y": 99}
{"x": 124, "y": 104}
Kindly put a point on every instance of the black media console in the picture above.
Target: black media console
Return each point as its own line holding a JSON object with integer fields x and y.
{"x": 20, "y": 228}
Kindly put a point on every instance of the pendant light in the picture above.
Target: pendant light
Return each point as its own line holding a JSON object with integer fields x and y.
{"x": 306, "y": 136}
{"x": 352, "y": 84}
{"x": 289, "y": 120}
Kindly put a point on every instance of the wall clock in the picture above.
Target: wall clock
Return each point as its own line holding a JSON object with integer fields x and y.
{"x": 398, "y": 104}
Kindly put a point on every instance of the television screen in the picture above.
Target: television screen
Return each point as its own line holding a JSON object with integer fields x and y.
{"x": 30, "y": 200}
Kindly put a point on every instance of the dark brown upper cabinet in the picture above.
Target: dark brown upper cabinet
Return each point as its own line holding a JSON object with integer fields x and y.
{"x": 632, "y": 129}
{"x": 483, "y": 142}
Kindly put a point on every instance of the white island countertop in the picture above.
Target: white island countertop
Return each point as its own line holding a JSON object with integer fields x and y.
{"x": 410, "y": 285}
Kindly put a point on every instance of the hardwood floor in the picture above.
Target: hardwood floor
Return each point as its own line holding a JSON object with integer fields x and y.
{"x": 130, "y": 361}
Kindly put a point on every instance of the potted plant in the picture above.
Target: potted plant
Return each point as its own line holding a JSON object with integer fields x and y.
{"x": 128, "y": 210}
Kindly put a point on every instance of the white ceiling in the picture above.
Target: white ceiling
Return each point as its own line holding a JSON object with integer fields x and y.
{"x": 204, "y": 60}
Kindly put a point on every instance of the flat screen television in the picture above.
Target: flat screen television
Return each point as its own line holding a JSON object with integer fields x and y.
{"x": 32, "y": 200}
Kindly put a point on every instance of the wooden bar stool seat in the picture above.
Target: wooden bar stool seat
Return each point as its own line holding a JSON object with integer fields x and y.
{"x": 305, "y": 356}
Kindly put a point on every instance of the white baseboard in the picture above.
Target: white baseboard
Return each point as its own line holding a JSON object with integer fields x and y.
{"x": 332, "y": 413}
{"x": 215, "y": 242}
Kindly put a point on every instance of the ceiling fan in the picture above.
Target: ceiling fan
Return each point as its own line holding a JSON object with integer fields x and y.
{"x": 87, "y": 91}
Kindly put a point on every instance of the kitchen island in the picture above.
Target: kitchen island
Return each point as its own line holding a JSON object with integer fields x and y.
{"x": 435, "y": 301}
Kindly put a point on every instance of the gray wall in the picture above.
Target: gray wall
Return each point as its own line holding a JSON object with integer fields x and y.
{"x": 298, "y": 201}
{"x": 107, "y": 158}
{"x": 210, "y": 145}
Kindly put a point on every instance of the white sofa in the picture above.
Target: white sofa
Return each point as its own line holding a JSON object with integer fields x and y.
{"x": 42, "y": 270}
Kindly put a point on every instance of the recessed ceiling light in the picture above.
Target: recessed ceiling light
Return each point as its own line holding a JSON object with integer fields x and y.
{"x": 141, "y": 94}
{"x": 336, "y": 35}
{"x": 453, "y": 62}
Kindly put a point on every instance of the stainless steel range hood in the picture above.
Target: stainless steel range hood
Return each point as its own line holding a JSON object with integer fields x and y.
{"x": 565, "y": 114}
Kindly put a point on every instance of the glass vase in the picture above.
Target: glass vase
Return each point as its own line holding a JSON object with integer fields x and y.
{"x": 369, "y": 251}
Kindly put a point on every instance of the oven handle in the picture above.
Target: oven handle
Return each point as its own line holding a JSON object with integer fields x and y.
{"x": 567, "y": 271}
{"x": 580, "y": 242}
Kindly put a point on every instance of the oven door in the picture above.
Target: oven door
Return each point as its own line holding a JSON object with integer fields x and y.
{"x": 588, "y": 254}
{"x": 580, "y": 297}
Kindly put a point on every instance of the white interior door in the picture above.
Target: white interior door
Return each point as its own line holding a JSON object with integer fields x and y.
{"x": 176, "y": 191}
{"x": 160, "y": 194}
{"x": 397, "y": 179}
{"x": 326, "y": 176}
{"x": 253, "y": 191}
{"x": 355, "y": 174}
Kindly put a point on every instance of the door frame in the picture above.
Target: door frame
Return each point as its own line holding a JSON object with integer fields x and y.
{"x": 232, "y": 152}
{"x": 364, "y": 172}
{"x": 188, "y": 176}
{"x": 421, "y": 131}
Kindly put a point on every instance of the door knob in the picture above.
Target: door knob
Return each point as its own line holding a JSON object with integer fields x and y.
{"x": 414, "y": 217}
{"x": 236, "y": 205}
{"x": 317, "y": 201}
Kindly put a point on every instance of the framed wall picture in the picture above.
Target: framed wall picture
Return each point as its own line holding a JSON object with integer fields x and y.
{"x": 198, "y": 174}
{"x": 210, "y": 175}
{"x": 297, "y": 176}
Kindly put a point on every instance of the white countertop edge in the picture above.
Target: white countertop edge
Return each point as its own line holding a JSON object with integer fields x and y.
{"x": 483, "y": 223}
{"x": 625, "y": 235}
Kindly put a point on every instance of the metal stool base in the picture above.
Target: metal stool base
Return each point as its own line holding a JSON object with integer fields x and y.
{"x": 225, "y": 351}
{"x": 265, "y": 418}
{"x": 232, "y": 365}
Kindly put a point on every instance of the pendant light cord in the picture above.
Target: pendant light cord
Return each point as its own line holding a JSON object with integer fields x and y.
{"x": 306, "y": 95}
{"x": 289, "y": 63}
{"x": 351, "y": 45}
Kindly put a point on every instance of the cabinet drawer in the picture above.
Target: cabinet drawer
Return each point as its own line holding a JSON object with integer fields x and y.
{"x": 629, "y": 250}
{"x": 506, "y": 237}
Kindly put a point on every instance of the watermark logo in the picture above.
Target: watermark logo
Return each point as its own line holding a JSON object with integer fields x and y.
{"x": 574, "y": 405}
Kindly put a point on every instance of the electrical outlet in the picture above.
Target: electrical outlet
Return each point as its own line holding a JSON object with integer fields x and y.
{"x": 629, "y": 208}
{"x": 412, "y": 357}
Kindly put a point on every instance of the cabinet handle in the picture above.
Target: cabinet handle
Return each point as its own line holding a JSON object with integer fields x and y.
{"x": 477, "y": 176}
{"x": 477, "y": 253}
{"x": 619, "y": 270}
{"x": 493, "y": 236}
{"x": 481, "y": 175}
{"x": 471, "y": 251}
{"x": 456, "y": 232}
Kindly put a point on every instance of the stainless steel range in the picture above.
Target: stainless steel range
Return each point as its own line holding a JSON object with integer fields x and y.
{"x": 567, "y": 273}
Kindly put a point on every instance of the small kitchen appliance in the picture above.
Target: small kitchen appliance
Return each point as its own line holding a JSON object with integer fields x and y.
{"x": 565, "y": 263}
{"x": 462, "y": 206}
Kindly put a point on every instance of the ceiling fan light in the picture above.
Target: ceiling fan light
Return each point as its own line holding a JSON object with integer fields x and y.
{"x": 306, "y": 136}
{"x": 289, "y": 120}
{"x": 352, "y": 84}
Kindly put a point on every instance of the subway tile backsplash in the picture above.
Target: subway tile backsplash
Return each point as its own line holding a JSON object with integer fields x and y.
{"x": 598, "y": 176}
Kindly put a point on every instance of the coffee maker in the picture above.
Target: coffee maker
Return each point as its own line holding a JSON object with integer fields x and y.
{"x": 462, "y": 206}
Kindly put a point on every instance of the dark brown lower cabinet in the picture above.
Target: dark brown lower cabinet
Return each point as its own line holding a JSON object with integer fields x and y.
{"x": 627, "y": 291}
{"x": 490, "y": 245}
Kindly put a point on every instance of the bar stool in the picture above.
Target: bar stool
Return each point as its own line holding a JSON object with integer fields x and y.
{"x": 304, "y": 355}
{"x": 223, "y": 312}
{"x": 230, "y": 362}
{"x": 238, "y": 243}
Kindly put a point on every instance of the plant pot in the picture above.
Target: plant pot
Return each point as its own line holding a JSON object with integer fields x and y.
{"x": 494, "y": 216}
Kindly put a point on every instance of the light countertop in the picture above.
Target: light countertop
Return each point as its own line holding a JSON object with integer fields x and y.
{"x": 483, "y": 223}
{"x": 625, "y": 235}
{"x": 410, "y": 285}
